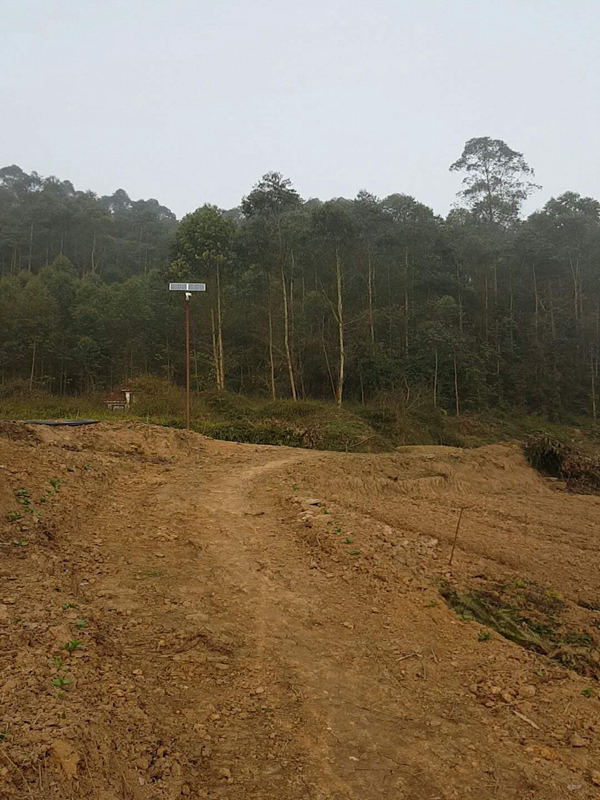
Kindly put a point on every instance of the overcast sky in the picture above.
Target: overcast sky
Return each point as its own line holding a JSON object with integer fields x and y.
{"x": 191, "y": 101}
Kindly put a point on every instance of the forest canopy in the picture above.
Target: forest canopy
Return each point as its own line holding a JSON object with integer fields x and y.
{"x": 343, "y": 299}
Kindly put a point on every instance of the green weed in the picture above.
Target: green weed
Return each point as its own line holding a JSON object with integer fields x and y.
{"x": 484, "y": 636}
{"x": 19, "y": 543}
{"x": 587, "y": 692}
{"x": 353, "y": 552}
{"x": 66, "y": 606}
{"x": 348, "y": 540}
{"x": 73, "y": 644}
{"x": 81, "y": 624}
{"x": 63, "y": 683}
{"x": 14, "y": 516}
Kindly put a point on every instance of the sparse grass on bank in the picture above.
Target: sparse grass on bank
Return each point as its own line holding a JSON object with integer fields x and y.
{"x": 380, "y": 426}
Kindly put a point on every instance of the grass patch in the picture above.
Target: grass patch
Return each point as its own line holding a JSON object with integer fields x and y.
{"x": 388, "y": 421}
{"x": 529, "y": 615}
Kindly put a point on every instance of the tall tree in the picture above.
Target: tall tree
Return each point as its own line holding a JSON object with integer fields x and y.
{"x": 497, "y": 180}
{"x": 202, "y": 250}
{"x": 272, "y": 198}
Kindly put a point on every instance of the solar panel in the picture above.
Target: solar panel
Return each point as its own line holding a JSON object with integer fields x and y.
{"x": 187, "y": 287}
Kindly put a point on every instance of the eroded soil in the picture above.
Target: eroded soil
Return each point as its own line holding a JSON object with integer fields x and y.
{"x": 185, "y": 617}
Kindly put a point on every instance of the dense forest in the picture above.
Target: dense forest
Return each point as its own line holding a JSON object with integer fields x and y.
{"x": 344, "y": 299}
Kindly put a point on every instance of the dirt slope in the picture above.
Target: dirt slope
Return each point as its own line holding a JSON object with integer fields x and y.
{"x": 231, "y": 638}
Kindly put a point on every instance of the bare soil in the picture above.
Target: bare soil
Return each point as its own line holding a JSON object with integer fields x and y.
{"x": 186, "y": 617}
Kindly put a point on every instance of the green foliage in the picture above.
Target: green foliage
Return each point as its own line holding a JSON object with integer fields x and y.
{"x": 63, "y": 683}
{"x": 73, "y": 644}
{"x": 434, "y": 318}
{"x": 525, "y": 613}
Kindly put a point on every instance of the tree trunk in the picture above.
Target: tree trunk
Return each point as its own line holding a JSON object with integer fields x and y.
{"x": 340, "y": 323}
{"x": 94, "y": 254}
{"x": 221, "y": 360}
{"x": 537, "y": 303}
{"x": 593, "y": 384}
{"x": 29, "y": 259}
{"x": 456, "y": 397}
{"x": 370, "y": 280}
{"x": 435, "y": 379}
{"x": 575, "y": 277}
{"x": 32, "y": 374}
{"x": 271, "y": 360}
{"x": 487, "y": 308}
{"x": 215, "y": 349}
{"x": 286, "y": 334}
{"x": 460, "y": 304}
{"x": 511, "y": 312}
{"x": 327, "y": 363}
{"x": 406, "y": 302}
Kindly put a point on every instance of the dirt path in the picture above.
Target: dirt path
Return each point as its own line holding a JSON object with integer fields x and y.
{"x": 242, "y": 641}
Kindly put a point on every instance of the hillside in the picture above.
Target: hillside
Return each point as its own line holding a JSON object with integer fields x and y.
{"x": 187, "y": 617}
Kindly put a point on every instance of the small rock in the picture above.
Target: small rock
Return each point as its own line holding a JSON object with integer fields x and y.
{"x": 595, "y": 776}
{"x": 507, "y": 697}
{"x": 527, "y": 691}
{"x": 66, "y": 755}
{"x": 577, "y": 741}
{"x": 495, "y": 690}
{"x": 225, "y": 772}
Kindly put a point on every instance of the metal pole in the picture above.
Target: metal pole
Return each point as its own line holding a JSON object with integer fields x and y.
{"x": 187, "y": 361}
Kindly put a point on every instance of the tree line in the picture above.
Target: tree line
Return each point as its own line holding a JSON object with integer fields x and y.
{"x": 343, "y": 299}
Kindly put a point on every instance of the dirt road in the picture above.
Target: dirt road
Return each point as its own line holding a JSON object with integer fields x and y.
{"x": 184, "y": 617}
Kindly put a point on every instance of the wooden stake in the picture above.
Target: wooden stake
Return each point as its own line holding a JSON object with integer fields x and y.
{"x": 456, "y": 536}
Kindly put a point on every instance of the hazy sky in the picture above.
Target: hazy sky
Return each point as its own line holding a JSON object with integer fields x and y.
{"x": 191, "y": 101}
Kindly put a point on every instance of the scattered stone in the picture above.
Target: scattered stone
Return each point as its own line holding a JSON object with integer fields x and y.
{"x": 66, "y": 756}
{"x": 595, "y": 776}
{"x": 225, "y": 772}
{"x": 577, "y": 741}
{"x": 527, "y": 691}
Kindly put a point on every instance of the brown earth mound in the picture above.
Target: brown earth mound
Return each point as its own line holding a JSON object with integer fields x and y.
{"x": 187, "y": 618}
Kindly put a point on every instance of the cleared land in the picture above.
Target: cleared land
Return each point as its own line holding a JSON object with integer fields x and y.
{"x": 186, "y": 617}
